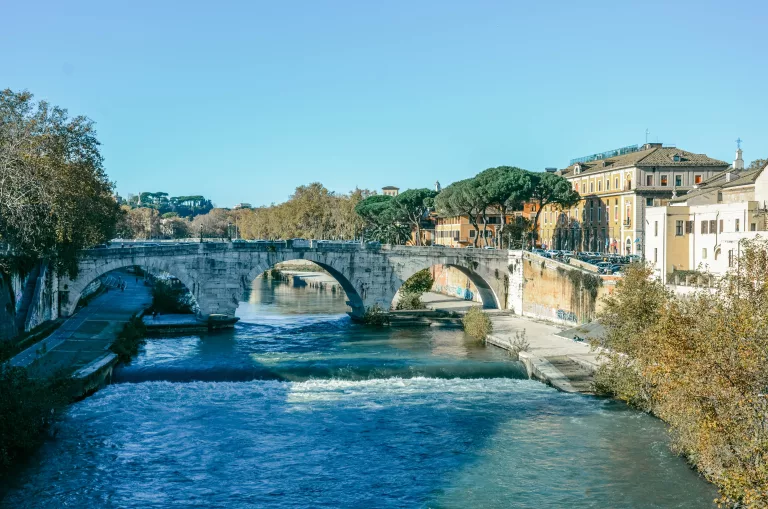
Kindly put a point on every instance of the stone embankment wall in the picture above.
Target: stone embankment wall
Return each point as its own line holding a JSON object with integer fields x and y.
{"x": 562, "y": 293}
{"x": 450, "y": 281}
{"x": 27, "y": 300}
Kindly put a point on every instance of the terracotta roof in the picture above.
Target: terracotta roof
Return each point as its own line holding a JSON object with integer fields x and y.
{"x": 654, "y": 156}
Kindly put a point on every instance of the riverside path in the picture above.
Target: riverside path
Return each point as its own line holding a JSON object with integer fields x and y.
{"x": 86, "y": 336}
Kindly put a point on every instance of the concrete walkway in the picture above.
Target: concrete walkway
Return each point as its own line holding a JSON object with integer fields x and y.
{"x": 86, "y": 336}
{"x": 566, "y": 364}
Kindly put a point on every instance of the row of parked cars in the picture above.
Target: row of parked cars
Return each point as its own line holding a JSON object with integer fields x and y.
{"x": 606, "y": 263}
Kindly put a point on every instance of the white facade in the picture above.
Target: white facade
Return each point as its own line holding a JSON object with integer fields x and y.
{"x": 704, "y": 233}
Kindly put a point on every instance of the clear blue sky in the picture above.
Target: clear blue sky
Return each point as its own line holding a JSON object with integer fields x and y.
{"x": 243, "y": 101}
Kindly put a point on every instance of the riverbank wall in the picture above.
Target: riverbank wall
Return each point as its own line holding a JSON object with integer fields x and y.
{"x": 27, "y": 300}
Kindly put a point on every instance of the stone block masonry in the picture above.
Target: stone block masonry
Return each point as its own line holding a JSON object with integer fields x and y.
{"x": 217, "y": 273}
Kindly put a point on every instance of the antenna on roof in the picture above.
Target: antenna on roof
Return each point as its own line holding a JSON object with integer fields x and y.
{"x": 647, "y": 132}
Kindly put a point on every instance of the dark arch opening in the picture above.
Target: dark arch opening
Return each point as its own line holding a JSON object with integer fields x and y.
{"x": 113, "y": 279}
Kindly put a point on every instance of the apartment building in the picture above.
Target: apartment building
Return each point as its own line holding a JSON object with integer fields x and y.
{"x": 616, "y": 188}
{"x": 703, "y": 230}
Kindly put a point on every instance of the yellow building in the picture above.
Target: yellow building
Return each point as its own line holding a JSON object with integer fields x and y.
{"x": 390, "y": 191}
{"x": 615, "y": 188}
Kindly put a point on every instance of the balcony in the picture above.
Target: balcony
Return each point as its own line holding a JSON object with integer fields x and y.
{"x": 627, "y": 222}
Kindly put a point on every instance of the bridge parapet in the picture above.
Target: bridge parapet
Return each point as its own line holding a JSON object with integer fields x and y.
{"x": 218, "y": 273}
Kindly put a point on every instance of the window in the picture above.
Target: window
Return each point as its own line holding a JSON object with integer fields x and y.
{"x": 472, "y": 233}
{"x": 663, "y": 180}
{"x": 697, "y": 179}
{"x": 577, "y": 187}
{"x": 737, "y": 225}
{"x": 599, "y": 213}
{"x": 591, "y": 210}
{"x": 730, "y": 257}
{"x": 712, "y": 226}
{"x": 649, "y": 202}
{"x": 679, "y": 228}
{"x": 655, "y": 228}
{"x": 689, "y": 227}
{"x": 599, "y": 185}
{"x": 704, "y": 253}
{"x": 616, "y": 181}
{"x": 615, "y": 212}
{"x": 704, "y": 225}
{"x": 721, "y": 226}
{"x": 678, "y": 180}
{"x": 752, "y": 227}
{"x": 591, "y": 187}
{"x": 655, "y": 255}
{"x": 649, "y": 180}
{"x": 607, "y": 184}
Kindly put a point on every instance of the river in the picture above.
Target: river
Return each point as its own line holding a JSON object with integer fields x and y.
{"x": 300, "y": 408}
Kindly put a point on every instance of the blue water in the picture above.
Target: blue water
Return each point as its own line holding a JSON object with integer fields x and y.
{"x": 299, "y": 408}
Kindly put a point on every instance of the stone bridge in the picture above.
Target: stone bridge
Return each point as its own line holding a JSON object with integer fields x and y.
{"x": 218, "y": 273}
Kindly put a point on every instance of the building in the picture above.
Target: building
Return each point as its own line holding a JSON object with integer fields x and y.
{"x": 703, "y": 230}
{"x": 242, "y": 206}
{"x": 616, "y": 187}
{"x": 457, "y": 231}
{"x": 390, "y": 191}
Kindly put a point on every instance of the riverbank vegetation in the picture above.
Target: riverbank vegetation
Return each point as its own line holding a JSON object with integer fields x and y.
{"x": 27, "y": 409}
{"x": 699, "y": 363}
{"x": 129, "y": 340}
{"x": 412, "y": 290}
{"x": 55, "y": 197}
{"x": 477, "y": 323}
{"x": 169, "y": 298}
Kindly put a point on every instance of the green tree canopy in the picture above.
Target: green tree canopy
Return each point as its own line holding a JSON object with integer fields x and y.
{"x": 551, "y": 189}
{"x": 411, "y": 207}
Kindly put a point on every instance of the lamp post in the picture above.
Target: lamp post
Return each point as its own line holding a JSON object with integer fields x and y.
{"x": 201, "y": 234}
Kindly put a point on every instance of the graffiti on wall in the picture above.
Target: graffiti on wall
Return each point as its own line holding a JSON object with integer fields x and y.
{"x": 454, "y": 290}
{"x": 546, "y": 312}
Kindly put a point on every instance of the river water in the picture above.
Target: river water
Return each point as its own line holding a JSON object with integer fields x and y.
{"x": 299, "y": 408}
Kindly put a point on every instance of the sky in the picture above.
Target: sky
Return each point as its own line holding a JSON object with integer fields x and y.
{"x": 243, "y": 101}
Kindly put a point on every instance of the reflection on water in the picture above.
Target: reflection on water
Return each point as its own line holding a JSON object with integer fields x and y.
{"x": 305, "y": 409}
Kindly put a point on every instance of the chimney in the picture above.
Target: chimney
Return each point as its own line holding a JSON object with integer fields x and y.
{"x": 728, "y": 176}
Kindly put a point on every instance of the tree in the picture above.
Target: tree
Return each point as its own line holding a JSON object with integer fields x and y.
{"x": 411, "y": 207}
{"x": 758, "y": 164}
{"x": 551, "y": 189}
{"x": 55, "y": 197}
{"x": 505, "y": 187}
{"x": 464, "y": 198}
{"x": 699, "y": 363}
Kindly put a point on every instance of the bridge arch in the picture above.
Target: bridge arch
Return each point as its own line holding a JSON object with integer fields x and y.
{"x": 354, "y": 299}
{"x": 74, "y": 288}
{"x": 488, "y": 296}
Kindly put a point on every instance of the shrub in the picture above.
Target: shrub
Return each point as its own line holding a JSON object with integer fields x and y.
{"x": 477, "y": 323}
{"x": 519, "y": 344}
{"x": 410, "y": 301}
{"x": 374, "y": 315}
{"x": 127, "y": 343}
{"x": 170, "y": 299}
{"x": 418, "y": 283}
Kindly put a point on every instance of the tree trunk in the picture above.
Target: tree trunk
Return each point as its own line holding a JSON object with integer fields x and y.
{"x": 485, "y": 229}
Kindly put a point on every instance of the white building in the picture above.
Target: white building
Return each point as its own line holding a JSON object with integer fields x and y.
{"x": 703, "y": 230}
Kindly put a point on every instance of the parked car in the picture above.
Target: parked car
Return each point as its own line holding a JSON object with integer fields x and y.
{"x": 604, "y": 268}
